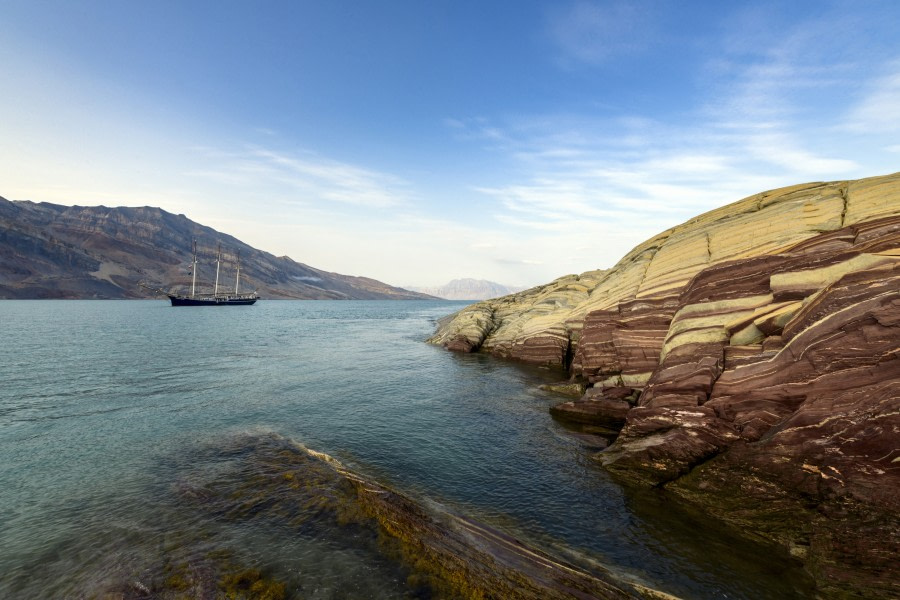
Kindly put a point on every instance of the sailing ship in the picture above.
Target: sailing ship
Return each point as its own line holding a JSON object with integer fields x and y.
{"x": 214, "y": 299}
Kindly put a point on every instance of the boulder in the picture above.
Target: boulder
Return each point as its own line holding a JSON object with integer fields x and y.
{"x": 604, "y": 412}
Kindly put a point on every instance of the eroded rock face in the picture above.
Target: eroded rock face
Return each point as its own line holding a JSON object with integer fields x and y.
{"x": 776, "y": 403}
{"x": 754, "y": 358}
{"x": 657, "y": 271}
{"x": 764, "y": 342}
{"x": 528, "y": 326}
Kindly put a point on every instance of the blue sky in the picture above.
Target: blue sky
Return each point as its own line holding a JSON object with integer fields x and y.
{"x": 417, "y": 142}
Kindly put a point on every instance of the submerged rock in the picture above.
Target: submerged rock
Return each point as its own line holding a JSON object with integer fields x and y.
{"x": 457, "y": 556}
{"x": 209, "y": 576}
{"x": 566, "y": 388}
{"x": 267, "y": 482}
{"x": 444, "y": 554}
{"x": 604, "y": 412}
{"x": 591, "y": 441}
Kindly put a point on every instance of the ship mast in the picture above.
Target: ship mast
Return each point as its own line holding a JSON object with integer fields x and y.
{"x": 218, "y": 260}
{"x": 194, "y": 267}
{"x": 237, "y": 278}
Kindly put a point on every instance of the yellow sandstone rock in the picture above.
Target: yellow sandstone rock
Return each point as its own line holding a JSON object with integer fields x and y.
{"x": 544, "y": 324}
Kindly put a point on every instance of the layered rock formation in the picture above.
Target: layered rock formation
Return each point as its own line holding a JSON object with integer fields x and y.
{"x": 544, "y": 324}
{"x": 52, "y": 251}
{"x": 753, "y": 354}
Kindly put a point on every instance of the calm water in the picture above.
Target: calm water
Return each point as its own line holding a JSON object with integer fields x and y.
{"x": 109, "y": 408}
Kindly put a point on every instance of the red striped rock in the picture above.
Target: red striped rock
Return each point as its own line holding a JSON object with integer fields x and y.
{"x": 809, "y": 417}
{"x": 806, "y": 343}
{"x": 625, "y": 342}
{"x": 541, "y": 350}
{"x": 765, "y": 340}
{"x": 604, "y": 412}
{"x": 661, "y": 268}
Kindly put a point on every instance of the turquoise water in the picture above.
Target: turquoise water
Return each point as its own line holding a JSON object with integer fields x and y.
{"x": 109, "y": 410}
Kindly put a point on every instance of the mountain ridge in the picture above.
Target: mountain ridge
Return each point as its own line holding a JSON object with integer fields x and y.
{"x": 55, "y": 251}
{"x": 468, "y": 288}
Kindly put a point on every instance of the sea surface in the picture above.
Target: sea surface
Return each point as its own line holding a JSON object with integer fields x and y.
{"x": 113, "y": 414}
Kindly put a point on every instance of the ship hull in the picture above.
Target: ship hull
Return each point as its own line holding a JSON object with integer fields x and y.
{"x": 212, "y": 300}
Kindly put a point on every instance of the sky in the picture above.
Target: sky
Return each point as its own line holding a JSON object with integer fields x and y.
{"x": 417, "y": 142}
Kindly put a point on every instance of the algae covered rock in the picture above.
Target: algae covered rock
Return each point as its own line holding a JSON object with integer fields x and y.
{"x": 441, "y": 553}
{"x": 426, "y": 550}
{"x": 565, "y": 388}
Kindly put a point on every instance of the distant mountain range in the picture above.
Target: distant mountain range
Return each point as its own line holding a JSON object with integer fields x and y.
{"x": 53, "y": 251}
{"x": 469, "y": 289}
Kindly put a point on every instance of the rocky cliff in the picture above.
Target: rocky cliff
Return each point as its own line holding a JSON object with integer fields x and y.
{"x": 52, "y": 251}
{"x": 750, "y": 358}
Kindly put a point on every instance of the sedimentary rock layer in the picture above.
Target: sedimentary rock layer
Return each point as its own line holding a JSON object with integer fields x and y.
{"x": 762, "y": 344}
{"x": 778, "y": 383}
{"x": 544, "y": 324}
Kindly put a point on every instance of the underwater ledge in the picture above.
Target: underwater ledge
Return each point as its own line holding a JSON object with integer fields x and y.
{"x": 440, "y": 553}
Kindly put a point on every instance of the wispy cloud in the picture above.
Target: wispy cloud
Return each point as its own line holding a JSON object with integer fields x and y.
{"x": 878, "y": 111}
{"x": 594, "y": 32}
{"x": 631, "y": 170}
{"x": 336, "y": 181}
{"x": 752, "y": 132}
{"x": 604, "y": 181}
{"x": 517, "y": 262}
{"x": 610, "y": 148}
{"x": 304, "y": 177}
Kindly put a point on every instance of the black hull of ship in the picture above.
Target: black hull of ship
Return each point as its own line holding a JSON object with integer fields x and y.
{"x": 212, "y": 300}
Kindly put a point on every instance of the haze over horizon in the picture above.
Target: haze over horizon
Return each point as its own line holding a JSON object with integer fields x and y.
{"x": 417, "y": 142}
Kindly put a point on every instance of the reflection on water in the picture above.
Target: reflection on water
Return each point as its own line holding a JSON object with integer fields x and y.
{"x": 114, "y": 426}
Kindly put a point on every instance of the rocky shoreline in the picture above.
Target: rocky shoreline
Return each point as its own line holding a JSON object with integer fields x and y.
{"x": 749, "y": 361}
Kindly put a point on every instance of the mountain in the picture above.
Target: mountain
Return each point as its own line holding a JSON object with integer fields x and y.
{"x": 52, "y": 251}
{"x": 745, "y": 362}
{"x": 468, "y": 289}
